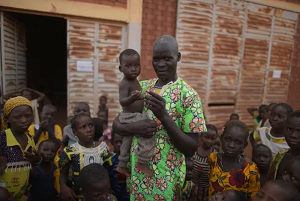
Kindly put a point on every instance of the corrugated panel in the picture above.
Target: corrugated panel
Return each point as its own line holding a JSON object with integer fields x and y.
{"x": 281, "y": 56}
{"x": 250, "y": 93}
{"x": 14, "y": 54}
{"x": 233, "y": 47}
{"x": 81, "y": 44}
{"x": 218, "y": 116}
{"x": 193, "y": 35}
{"x": 223, "y": 86}
{"x": 276, "y": 88}
{"x": 255, "y": 54}
{"x": 227, "y": 46}
{"x": 21, "y": 55}
{"x": 100, "y": 43}
{"x": 110, "y": 45}
{"x": 254, "y": 60}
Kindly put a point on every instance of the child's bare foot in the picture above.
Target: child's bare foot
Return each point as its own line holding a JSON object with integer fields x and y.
{"x": 124, "y": 171}
{"x": 144, "y": 168}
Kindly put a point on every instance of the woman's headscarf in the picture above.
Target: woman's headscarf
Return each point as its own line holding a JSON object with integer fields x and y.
{"x": 12, "y": 104}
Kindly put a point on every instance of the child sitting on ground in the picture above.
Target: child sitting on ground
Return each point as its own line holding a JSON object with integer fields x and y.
{"x": 226, "y": 169}
{"x": 292, "y": 138}
{"x": 118, "y": 180}
{"x": 42, "y": 175}
{"x": 132, "y": 102}
{"x": 262, "y": 156}
{"x": 94, "y": 182}
{"x": 81, "y": 154}
{"x": 206, "y": 140}
{"x": 274, "y": 137}
{"x": 230, "y": 195}
{"x": 291, "y": 172}
{"x": 234, "y": 116}
{"x": 277, "y": 191}
{"x": 4, "y": 194}
{"x": 47, "y": 129}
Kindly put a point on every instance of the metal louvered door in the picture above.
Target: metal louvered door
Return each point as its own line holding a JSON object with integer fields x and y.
{"x": 98, "y": 45}
{"x": 13, "y": 54}
{"x": 230, "y": 50}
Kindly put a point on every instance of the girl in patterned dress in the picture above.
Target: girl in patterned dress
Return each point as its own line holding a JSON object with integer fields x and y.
{"x": 229, "y": 170}
{"x": 17, "y": 148}
{"x": 81, "y": 154}
{"x": 200, "y": 159}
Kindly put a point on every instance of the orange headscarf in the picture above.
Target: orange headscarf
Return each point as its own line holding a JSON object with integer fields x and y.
{"x": 12, "y": 104}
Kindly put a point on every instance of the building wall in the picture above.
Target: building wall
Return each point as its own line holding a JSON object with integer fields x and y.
{"x": 159, "y": 18}
{"x": 294, "y": 87}
{"x": 116, "y": 3}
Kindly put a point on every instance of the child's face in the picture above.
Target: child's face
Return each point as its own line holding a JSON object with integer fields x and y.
{"x": 130, "y": 66}
{"x": 233, "y": 142}
{"x": 82, "y": 108}
{"x": 278, "y": 117}
{"x": 48, "y": 114}
{"x": 118, "y": 139}
{"x": 47, "y": 151}
{"x": 292, "y": 173}
{"x": 21, "y": 118}
{"x": 263, "y": 113}
{"x": 102, "y": 116}
{"x": 97, "y": 191}
{"x": 165, "y": 58}
{"x": 102, "y": 101}
{"x": 262, "y": 157}
{"x": 292, "y": 132}
{"x": 225, "y": 196}
{"x": 4, "y": 194}
{"x": 208, "y": 138}
{"x": 85, "y": 129}
{"x": 270, "y": 192}
{"x": 217, "y": 145}
{"x": 27, "y": 94}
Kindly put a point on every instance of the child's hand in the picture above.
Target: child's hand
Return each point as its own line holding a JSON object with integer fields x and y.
{"x": 137, "y": 95}
{"x": 67, "y": 194}
{"x": 44, "y": 125}
{"x": 34, "y": 158}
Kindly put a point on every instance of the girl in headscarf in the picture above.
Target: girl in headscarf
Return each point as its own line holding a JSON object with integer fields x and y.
{"x": 17, "y": 148}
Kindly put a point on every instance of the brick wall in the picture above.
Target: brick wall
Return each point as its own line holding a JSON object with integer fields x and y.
{"x": 159, "y": 18}
{"x": 117, "y": 3}
{"x": 294, "y": 87}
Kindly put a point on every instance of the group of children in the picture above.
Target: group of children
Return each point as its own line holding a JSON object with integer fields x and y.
{"x": 82, "y": 163}
{"x": 39, "y": 162}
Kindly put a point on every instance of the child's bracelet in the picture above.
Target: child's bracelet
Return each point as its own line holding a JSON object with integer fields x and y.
{"x": 40, "y": 161}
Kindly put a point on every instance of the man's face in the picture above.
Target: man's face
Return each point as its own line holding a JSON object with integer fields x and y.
{"x": 165, "y": 58}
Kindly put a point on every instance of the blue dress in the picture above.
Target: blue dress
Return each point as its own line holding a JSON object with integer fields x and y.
{"x": 42, "y": 185}
{"x": 117, "y": 180}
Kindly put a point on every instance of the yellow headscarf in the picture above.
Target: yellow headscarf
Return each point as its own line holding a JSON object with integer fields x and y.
{"x": 12, "y": 104}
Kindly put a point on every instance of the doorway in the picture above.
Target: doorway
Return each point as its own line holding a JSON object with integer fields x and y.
{"x": 46, "y": 59}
